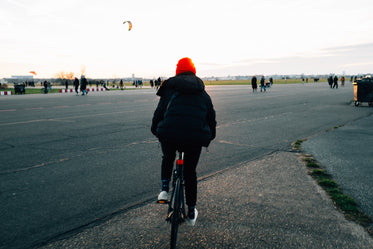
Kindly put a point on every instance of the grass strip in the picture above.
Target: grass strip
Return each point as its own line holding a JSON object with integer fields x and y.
{"x": 39, "y": 90}
{"x": 297, "y": 144}
{"x": 346, "y": 204}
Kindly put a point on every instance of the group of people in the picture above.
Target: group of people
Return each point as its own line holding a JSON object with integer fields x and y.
{"x": 137, "y": 83}
{"x": 30, "y": 83}
{"x": 156, "y": 83}
{"x": 263, "y": 84}
{"x": 333, "y": 81}
{"x": 83, "y": 85}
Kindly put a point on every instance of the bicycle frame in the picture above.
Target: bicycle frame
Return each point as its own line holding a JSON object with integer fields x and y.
{"x": 178, "y": 176}
{"x": 176, "y": 206}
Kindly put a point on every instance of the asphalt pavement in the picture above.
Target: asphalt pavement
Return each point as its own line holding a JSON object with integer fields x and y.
{"x": 261, "y": 196}
{"x": 267, "y": 203}
{"x": 346, "y": 153}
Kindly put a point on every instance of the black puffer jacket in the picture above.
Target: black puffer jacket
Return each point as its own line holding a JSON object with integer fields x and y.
{"x": 189, "y": 119}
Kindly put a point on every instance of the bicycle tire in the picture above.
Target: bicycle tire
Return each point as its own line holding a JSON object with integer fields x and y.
{"x": 175, "y": 218}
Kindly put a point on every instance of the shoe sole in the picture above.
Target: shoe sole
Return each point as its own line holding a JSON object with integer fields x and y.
{"x": 163, "y": 201}
{"x": 193, "y": 222}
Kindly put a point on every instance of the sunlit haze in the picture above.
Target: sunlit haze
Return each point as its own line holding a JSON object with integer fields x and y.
{"x": 237, "y": 37}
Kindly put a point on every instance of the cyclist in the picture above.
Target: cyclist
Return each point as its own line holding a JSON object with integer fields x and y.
{"x": 183, "y": 120}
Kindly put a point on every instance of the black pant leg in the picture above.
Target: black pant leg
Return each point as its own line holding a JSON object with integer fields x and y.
{"x": 191, "y": 158}
{"x": 169, "y": 154}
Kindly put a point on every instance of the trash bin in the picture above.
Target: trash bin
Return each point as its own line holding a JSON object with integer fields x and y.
{"x": 363, "y": 91}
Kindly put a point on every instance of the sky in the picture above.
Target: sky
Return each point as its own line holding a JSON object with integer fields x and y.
{"x": 236, "y": 37}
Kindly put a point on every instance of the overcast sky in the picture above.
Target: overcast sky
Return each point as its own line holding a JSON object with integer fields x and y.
{"x": 236, "y": 37}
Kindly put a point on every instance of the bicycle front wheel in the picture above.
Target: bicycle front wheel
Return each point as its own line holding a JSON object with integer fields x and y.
{"x": 176, "y": 216}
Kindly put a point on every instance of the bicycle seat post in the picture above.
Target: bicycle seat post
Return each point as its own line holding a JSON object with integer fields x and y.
{"x": 180, "y": 161}
{"x": 179, "y": 165}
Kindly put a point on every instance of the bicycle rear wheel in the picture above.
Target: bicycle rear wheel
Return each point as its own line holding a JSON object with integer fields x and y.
{"x": 176, "y": 216}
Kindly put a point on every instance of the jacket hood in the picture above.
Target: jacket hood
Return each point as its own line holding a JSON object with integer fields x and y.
{"x": 186, "y": 82}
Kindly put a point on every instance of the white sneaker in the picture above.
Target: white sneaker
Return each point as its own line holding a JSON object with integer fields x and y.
{"x": 163, "y": 196}
{"x": 192, "y": 222}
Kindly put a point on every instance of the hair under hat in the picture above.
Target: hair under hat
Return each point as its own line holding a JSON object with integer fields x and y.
{"x": 185, "y": 65}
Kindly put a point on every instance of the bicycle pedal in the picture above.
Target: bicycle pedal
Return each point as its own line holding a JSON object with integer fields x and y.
{"x": 169, "y": 215}
{"x": 162, "y": 201}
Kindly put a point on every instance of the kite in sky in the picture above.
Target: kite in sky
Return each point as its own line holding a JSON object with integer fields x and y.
{"x": 129, "y": 25}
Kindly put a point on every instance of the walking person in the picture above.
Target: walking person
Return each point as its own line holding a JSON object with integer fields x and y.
{"x": 262, "y": 84}
{"x": 330, "y": 81}
{"x": 183, "y": 120}
{"x": 254, "y": 84}
{"x": 45, "y": 86}
{"x": 50, "y": 86}
{"x": 76, "y": 85}
{"x": 335, "y": 81}
{"x": 159, "y": 82}
{"x": 83, "y": 85}
{"x": 105, "y": 86}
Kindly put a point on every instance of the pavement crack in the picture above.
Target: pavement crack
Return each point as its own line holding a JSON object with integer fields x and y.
{"x": 6, "y": 172}
{"x": 8, "y": 145}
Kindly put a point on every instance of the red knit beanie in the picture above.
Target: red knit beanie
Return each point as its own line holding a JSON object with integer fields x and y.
{"x": 185, "y": 65}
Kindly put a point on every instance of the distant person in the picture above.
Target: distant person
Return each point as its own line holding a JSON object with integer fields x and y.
{"x": 45, "y": 86}
{"x": 83, "y": 85}
{"x": 343, "y": 81}
{"x": 262, "y": 84}
{"x": 121, "y": 84}
{"x": 271, "y": 81}
{"x": 159, "y": 82}
{"x": 76, "y": 85}
{"x": 330, "y": 81}
{"x": 254, "y": 83}
{"x": 105, "y": 87}
{"x": 335, "y": 81}
{"x": 66, "y": 84}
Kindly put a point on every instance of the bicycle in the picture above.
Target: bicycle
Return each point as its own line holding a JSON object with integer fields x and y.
{"x": 46, "y": 90}
{"x": 176, "y": 206}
